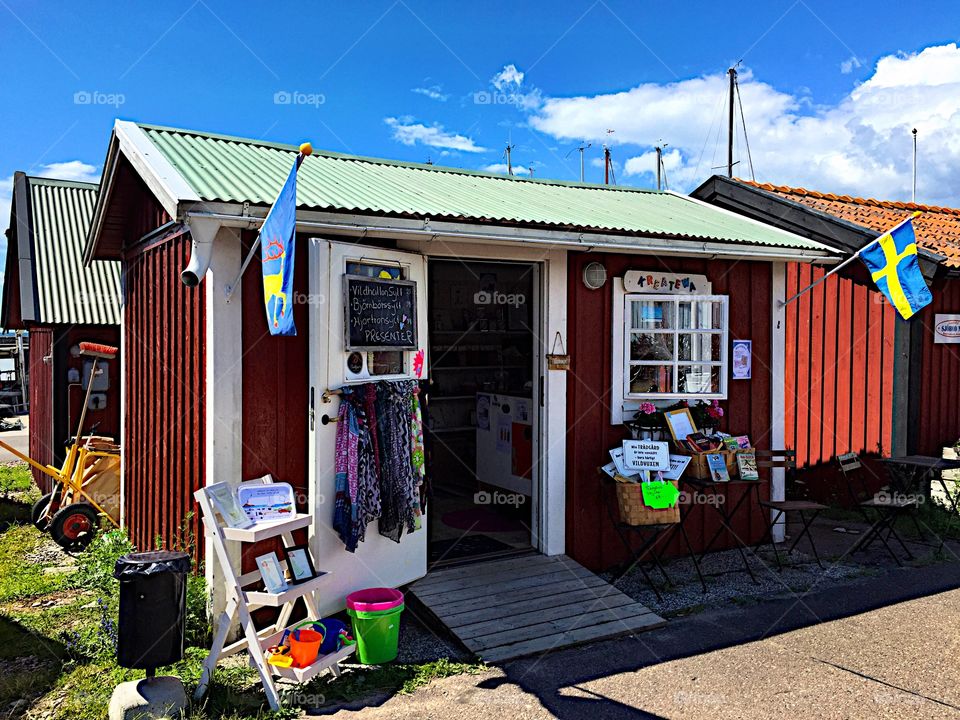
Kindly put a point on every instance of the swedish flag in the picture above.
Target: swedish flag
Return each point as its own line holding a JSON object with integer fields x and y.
{"x": 892, "y": 262}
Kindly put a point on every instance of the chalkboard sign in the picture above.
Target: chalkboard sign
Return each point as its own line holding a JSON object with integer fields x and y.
{"x": 380, "y": 314}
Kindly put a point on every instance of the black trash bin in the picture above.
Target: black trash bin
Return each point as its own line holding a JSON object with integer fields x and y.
{"x": 153, "y": 608}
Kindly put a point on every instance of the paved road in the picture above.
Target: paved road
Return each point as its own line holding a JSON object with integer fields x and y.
{"x": 20, "y": 439}
{"x": 881, "y": 657}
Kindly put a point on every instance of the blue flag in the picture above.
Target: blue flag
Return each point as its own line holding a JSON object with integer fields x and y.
{"x": 277, "y": 238}
{"x": 892, "y": 262}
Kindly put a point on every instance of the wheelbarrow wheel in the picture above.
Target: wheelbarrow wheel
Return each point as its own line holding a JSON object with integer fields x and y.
{"x": 40, "y": 522}
{"x": 74, "y": 527}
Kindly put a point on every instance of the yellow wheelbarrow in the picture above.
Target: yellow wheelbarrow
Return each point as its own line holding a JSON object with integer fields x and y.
{"x": 88, "y": 484}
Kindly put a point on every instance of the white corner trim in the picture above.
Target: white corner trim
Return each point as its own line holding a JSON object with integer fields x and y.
{"x": 778, "y": 346}
{"x": 164, "y": 181}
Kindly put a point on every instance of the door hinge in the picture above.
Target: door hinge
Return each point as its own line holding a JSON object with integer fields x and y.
{"x": 312, "y": 413}
{"x": 541, "y": 390}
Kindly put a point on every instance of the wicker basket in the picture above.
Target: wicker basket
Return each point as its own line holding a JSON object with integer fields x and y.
{"x": 699, "y": 468}
{"x": 633, "y": 511}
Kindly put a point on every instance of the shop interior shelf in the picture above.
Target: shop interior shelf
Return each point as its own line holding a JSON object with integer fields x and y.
{"x": 266, "y": 529}
{"x": 266, "y": 599}
{"x": 302, "y": 675}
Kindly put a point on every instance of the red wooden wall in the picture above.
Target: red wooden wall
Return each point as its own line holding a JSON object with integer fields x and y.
{"x": 939, "y": 399}
{"x": 275, "y": 388}
{"x": 69, "y": 399}
{"x": 163, "y": 364}
{"x": 591, "y": 538}
{"x": 41, "y": 404}
{"x": 839, "y": 368}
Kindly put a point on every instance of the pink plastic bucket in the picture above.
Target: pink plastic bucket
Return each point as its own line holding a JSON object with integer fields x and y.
{"x": 374, "y": 599}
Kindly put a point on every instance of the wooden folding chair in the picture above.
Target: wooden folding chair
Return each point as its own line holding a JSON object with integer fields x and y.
{"x": 886, "y": 510}
{"x": 786, "y": 460}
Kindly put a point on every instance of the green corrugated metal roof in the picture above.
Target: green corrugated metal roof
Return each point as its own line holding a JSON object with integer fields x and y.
{"x": 229, "y": 169}
{"x": 68, "y": 292}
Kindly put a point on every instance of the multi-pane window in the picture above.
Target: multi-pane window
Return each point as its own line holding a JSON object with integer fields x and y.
{"x": 675, "y": 346}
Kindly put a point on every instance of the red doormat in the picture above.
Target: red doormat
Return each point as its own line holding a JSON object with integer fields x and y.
{"x": 481, "y": 519}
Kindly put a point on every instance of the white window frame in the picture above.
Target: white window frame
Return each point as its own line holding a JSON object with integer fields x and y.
{"x": 624, "y": 403}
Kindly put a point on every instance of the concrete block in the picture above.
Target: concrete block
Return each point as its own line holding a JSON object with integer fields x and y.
{"x": 157, "y": 698}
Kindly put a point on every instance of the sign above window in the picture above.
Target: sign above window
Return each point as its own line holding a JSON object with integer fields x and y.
{"x": 644, "y": 281}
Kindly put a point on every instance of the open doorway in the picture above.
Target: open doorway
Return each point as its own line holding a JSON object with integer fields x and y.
{"x": 482, "y": 423}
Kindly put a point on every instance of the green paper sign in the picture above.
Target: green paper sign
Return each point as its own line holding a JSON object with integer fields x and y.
{"x": 659, "y": 495}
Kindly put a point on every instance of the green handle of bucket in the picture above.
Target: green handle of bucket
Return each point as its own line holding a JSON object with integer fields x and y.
{"x": 312, "y": 623}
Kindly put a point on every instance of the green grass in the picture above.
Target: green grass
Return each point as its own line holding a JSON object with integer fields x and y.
{"x": 58, "y": 656}
{"x": 20, "y": 578}
{"x": 15, "y": 478}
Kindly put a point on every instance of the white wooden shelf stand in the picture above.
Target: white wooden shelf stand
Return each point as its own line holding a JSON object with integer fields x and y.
{"x": 241, "y": 602}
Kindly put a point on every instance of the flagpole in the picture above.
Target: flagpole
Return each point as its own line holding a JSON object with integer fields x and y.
{"x": 836, "y": 268}
{"x": 305, "y": 149}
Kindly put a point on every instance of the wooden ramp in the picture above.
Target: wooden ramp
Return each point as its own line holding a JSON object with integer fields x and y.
{"x": 505, "y": 609}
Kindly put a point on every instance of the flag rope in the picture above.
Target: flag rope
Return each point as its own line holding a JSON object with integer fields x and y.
{"x": 837, "y": 268}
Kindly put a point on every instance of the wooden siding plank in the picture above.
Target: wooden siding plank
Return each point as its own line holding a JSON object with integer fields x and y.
{"x": 844, "y": 356}
{"x": 803, "y": 368}
{"x": 858, "y": 342}
{"x": 817, "y": 367}
{"x": 874, "y": 368}
{"x": 790, "y": 359}
{"x": 828, "y": 438}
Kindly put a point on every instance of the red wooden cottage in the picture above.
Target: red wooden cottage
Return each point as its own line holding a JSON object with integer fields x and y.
{"x": 505, "y": 271}
{"x": 860, "y": 379}
{"x": 49, "y": 292}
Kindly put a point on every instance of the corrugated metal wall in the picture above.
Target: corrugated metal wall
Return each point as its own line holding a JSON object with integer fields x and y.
{"x": 839, "y": 368}
{"x": 939, "y": 404}
{"x": 41, "y": 403}
{"x": 163, "y": 363}
{"x": 591, "y": 538}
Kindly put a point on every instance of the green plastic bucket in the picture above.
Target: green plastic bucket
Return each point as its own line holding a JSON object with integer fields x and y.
{"x": 377, "y": 634}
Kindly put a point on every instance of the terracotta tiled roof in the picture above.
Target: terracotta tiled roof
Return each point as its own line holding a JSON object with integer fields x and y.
{"x": 937, "y": 229}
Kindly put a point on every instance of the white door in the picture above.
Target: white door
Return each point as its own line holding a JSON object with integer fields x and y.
{"x": 378, "y": 561}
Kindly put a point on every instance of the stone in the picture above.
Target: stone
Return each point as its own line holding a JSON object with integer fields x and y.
{"x": 156, "y": 698}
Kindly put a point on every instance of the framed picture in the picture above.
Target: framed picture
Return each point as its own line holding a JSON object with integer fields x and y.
{"x": 299, "y": 564}
{"x": 225, "y": 502}
{"x": 680, "y": 423}
{"x": 742, "y": 363}
{"x": 267, "y": 501}
{"x": 272, "y": 573}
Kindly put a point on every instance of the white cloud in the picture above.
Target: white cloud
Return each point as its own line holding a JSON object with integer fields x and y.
{"x": 496, "y": 168}
{"x": 850, "y": 64}
{"x": 508, "y": 79}
{"x": 69, "y": 170}
{"x": 862, "y": 145}
{"x": 434, "y": 92}
{"x": 408, "y": 132}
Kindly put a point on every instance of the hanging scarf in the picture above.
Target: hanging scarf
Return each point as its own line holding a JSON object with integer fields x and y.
{"x": 345, "y": 469}
{"x": 398, "y": 481}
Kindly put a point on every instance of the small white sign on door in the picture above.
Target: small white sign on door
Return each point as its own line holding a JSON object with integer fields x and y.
{"x": 946, "y": 329}
{"x": 646, "y": 455}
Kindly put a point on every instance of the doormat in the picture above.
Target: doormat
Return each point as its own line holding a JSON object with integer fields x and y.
{"x": 464, "y": 547}
{"x": 481, "y": 519}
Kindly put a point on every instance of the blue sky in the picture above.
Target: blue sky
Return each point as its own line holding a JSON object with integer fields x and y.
{"x": 830, "y": 89}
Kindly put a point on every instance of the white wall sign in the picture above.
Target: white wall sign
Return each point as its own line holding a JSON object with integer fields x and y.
{"x": 644, "y": 281}
{"x": 946, "y": 329}
{"x": 646, "y": 455}
{"x": 742, "y": 365}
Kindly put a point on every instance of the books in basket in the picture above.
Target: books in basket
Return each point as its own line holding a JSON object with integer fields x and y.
{"x": 699, "y": 443}
{"x": 718, "y": 467}
{"x": 747, "y": 464}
